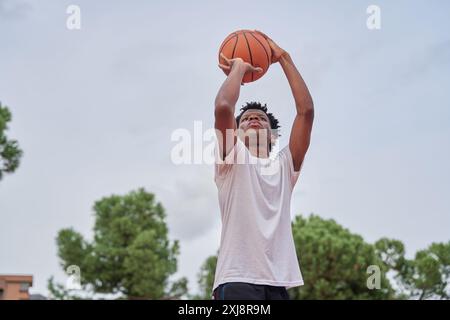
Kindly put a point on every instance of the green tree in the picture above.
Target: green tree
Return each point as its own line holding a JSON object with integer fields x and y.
{"x": 10, "y": 153}
{"x": 333, "y": 261}
{"x": 130, "y": 254}
{"x": 206, "y": 278}
{"x": 427, "y": 276}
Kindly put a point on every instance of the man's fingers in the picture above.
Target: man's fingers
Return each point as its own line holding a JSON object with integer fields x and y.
{"x": 270, "y": 41}
{"x": 262, "y": 33}
{"x": 257, "y": 69}
{"x": 224, "y": 67}
{"x": 225, "y": 58}
{"x": 229, "y": 62}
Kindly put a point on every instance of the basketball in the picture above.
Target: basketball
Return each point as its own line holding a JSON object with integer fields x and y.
{"x": 251, "y": 47}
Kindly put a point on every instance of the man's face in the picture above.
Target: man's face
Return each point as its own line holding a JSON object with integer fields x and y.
{"x": 256, "y": 120}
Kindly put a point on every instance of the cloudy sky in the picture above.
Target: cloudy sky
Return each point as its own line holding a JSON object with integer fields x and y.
{"x": 94, "y": 110}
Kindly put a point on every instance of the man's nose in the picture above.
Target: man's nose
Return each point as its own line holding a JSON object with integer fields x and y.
{"x": 252, "y": 117}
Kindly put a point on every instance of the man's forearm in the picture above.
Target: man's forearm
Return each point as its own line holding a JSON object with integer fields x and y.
{"x": 230, "y": 89}
{"x": 302, "y": 97}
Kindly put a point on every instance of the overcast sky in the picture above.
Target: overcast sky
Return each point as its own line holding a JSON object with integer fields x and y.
{"x": 94, "y": 110}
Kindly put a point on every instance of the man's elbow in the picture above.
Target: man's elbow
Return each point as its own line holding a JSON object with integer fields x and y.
{"x": 305, "y": 103}
{"x": 222, "y": 108}
{"x": 306, "y": 110}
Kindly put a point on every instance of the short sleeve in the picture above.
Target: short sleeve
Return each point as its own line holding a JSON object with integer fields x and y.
{"x": 223, "y": 167}
{"x": 287, "y": 160}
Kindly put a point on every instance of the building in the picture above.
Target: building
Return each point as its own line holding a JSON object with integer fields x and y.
{"x": 15, "y": 287}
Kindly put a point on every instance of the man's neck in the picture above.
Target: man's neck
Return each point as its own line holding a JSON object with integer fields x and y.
{"x": 259, "y": 152}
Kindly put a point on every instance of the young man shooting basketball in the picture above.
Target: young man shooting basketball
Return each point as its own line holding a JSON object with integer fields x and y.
{"x": 257, "y": 257}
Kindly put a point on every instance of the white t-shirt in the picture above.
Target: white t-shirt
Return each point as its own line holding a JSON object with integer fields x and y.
{"x": 256, "y": 243}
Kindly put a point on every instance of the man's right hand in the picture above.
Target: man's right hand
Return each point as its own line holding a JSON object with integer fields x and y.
{"x": 231, "y": 63}
{"x": 226, "y": 100}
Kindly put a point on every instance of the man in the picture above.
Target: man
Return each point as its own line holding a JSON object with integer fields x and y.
{"x": 257, "y": 257}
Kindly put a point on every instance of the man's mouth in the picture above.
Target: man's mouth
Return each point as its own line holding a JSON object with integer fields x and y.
{"x": 253, "y": 124}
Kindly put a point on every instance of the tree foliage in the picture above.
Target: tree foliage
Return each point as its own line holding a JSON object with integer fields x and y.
{"x": 10, "y": 153}
{"x": 335, "y": 265}
{"x": 130, "y": 255}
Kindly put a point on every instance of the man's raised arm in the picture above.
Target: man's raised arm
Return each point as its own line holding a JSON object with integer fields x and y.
{"x": 303, "y": 122}
{"x": 225, "y": 123}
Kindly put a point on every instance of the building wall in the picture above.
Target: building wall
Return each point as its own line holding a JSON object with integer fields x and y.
{"x": 15, "y": 287}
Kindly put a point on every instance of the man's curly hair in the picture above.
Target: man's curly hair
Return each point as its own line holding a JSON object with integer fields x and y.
{"x": 258, "y": 106}
{"x": 273, "y": 121}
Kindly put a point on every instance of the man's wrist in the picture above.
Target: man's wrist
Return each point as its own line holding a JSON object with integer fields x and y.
{"x": 285, "y": 57}
{"x": 239, "y": 66}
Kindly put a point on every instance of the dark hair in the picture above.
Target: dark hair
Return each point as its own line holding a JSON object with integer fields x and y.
{"x": 256, "y": 105}
{"x": 273, "y": 121}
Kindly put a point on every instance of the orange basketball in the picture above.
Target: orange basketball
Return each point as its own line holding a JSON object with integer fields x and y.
{"x": 251, "y": 47}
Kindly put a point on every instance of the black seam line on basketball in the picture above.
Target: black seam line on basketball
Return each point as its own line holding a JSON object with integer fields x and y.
{"x": 235, "y": 35}
{"x": 221, "y": 48}
{"x": 235, "y": 44}
{"x": 225, "y": 43}
{"x": 265, "y": 51}
{"x": 249, "y": 51}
